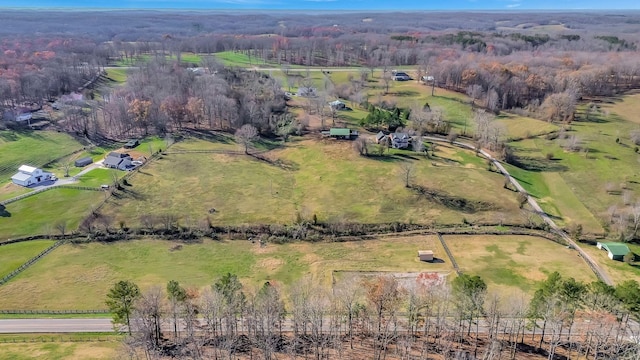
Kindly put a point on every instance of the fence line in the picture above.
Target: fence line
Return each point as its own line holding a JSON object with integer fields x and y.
{"x": 53, "y": 312}
{"x": 20, "y": 197}
{"x": 35, "y": 192}
{"x": 56, "y": 339}
{"x": 26, "y": 265}
{"x": 449, "y": 254}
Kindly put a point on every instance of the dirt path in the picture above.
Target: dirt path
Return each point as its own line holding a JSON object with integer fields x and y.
{"x": 600, "y": 273}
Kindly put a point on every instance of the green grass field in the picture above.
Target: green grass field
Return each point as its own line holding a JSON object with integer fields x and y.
{"x": 34, "y": 148}
{"x": 40, "y": 213}
{"x": 14, "y": 255}
{"x": 326, "y": 178}
{"x": 237, "y": 59}
{"x": 59, "y": 346}
{"x": 509, "y": 263}
{"x": 79, "y": 276}
{"x": 572, "y": 185}
{"x": 517, "y": 127}
{"x": 119, "y": 76}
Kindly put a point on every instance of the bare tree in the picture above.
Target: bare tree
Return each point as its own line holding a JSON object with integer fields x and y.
{"x": 246, "y": 135}
{"x": 147, "y": 318}
{"x": 407, "y": 172}
{"x": 384, "y": 296}
{"x": 346, "y": 294}
{"x": 61, "y": 226}
{"x": 475, "y": 92}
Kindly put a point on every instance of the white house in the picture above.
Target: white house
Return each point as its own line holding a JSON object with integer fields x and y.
{"x": 399, "y": 140}
{"x": 29, "y": 175}
{"x": 118, "y": 161}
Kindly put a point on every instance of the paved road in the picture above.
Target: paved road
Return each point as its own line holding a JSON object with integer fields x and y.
{"x": 55, "y": 325}
{"x": 536, "y": 207}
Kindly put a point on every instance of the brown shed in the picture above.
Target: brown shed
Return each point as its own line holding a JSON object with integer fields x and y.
{"x": 425, "y": 255}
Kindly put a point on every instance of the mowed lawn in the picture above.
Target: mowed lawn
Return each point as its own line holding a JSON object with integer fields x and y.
{"x": 14, "y": 255}
{"x": 511, "y": 263}
{"x": 34, "y": 148}
{"x": 40, "y": 213}
{"x": 79, "y": 276}
{"x": 53, "y": 349}
{"x": 326, "y": 178}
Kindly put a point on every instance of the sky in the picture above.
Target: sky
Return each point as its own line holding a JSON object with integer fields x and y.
{"x": 332, "y": 4}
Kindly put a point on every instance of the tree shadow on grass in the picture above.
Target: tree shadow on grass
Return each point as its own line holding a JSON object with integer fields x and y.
{"x": 404, "y": 93}
{"x": 4, "y": 212}
{"x": 385, "y": 158}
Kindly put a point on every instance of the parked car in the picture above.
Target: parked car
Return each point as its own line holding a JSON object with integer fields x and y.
{"x": 53, "y": 178}
{"x": 131, "y": 144}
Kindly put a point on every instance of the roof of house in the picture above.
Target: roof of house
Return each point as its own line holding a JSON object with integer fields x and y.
{"x": 336, "y": 103}
{"x": 20, "y": 176}
{"x": 339, "y": 132}
{"x": 400, "y": 135}
{"x": 425, "y": 252}
{"x": 617, "y": 249}
{"x": 118, "y": 155}
{"x": 27, "y": 169}
{"x": 114, "y": 158}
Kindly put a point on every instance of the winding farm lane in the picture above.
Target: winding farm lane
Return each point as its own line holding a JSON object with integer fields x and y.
{"x": 600, "y": 273}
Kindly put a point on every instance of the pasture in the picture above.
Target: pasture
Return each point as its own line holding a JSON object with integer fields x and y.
{"x": 79, "y": 276}
{"x": 36, "y": 148}
{"x": 511, "y": 263}
{"x": 14, "y": 255}
{"x": 326, "y": 178}
{"x": 44, "y": 212}
{"x": 600, "y": 174}
{"x": 59, "y": 347}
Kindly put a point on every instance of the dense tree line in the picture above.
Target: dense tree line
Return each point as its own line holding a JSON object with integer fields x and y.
{"x": 500, "y": 67}
{"x": 379, "y": 317}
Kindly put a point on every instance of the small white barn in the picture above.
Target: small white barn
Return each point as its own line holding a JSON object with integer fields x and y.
{"x": 24, "y": 117}
{"x": 29, "y": 175}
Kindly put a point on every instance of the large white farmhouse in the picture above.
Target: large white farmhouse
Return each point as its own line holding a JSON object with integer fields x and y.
{"x": 29, "y": 175}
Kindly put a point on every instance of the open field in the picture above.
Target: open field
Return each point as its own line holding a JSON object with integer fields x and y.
{"x": 32, "y": 147}
{"x": 118, "y": 76}
{"x": 327, "y": 178}
{"x": 508, "y": 263}
{"x": 39, "y": 214}
{"x": 79, "y": 276}
{"x": 627, "y": 108}
{"x": 596, "y": 177}
{"x": 517, "y": 127}
{"x": 59, "y": 347}
{"x": 14, "y": 255}
{"x": 618, "y": 271}
{"x": 231, "y": 58}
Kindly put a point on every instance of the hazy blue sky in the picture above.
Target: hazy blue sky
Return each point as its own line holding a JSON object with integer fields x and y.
{"x": 334, "y": 4}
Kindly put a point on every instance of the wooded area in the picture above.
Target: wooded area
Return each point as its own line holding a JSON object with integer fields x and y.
{"x": 378, "y": 317}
